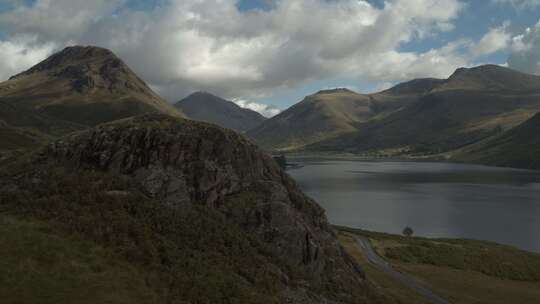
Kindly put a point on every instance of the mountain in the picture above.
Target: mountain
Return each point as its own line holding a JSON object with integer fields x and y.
{"x": 414, "y": 87}
{"x": 204, "y": 106}
{"x": 471, "y": 105}
{"x": 331, "y": 113}
{"x": 518, "y": 147}
{"x": 319, "y": 116}
{"x": 491, "y": 78}
{"x": 76, "y": 88}
{"x": 157, "y": 209}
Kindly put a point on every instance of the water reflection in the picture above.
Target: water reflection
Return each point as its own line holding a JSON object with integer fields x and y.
{"x": 436, "y": 199}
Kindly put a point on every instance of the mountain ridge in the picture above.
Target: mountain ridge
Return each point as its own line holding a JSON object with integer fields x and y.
{"x": 429, "y": 116}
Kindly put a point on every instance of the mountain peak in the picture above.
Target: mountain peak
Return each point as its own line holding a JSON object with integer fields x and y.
{"x": 89, "y": 68}
{"x": 85, "y": 85}
{"x": 333, "y": 91}
{"x": 207, "y": 107}
{"x": 203, "y": 94}
{"x": 70, "y": 56}
{"x": 491, "y": 77}
{"x": 486, "y": 68}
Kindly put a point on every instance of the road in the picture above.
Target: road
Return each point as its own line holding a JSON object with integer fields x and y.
{"x": 408, "y": 281}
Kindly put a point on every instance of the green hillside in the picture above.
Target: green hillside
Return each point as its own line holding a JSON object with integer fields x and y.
{"x": 317, "y": 117}
{"x": 518, "y": 147}
{"x": 472, "y": 105}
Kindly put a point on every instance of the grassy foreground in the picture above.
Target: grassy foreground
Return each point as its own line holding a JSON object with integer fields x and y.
{"x": 71, "y": 242}
{"x": 461, "y": 271}
{"x": 40, "y": 266}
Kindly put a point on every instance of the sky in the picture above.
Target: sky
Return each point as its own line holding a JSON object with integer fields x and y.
{"x": 268, "y": 54}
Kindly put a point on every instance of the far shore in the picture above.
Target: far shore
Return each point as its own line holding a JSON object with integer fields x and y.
{"x": 439, "y": 158}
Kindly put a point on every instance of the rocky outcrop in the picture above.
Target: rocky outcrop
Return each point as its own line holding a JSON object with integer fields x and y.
{"x": 184, "y": 163}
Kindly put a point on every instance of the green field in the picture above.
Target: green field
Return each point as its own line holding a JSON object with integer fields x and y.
{"x": 462, "y": 271}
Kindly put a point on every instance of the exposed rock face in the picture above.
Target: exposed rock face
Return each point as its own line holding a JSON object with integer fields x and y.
{"x": 183, "y": 163}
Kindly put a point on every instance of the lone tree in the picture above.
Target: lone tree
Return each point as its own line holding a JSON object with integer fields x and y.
{"x": 408, "y": 231}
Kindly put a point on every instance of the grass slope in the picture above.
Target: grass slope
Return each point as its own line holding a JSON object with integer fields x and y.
{"x": 472, "y": 105}
{"x": 182, "y": 256}
{"x": 319, "y": 116}
{"x": 463, "y": 271}
{"x": 518, "y": 147}
{"x": 41, "y": 265}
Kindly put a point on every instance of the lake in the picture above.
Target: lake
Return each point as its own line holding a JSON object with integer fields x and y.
{"x": 435, "y": 199}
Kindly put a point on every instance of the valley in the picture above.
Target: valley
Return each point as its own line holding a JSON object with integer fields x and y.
{"x": 417, "y": 119}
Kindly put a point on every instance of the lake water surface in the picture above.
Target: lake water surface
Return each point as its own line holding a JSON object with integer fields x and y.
{"x": 435, "y": 199}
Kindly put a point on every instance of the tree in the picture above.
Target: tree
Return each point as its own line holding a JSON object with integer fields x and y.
{"x": 408, "y": 232}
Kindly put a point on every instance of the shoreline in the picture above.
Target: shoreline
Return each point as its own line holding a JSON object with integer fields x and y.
{"x": 379, "y": 234}
{"x": 344, "y": 157}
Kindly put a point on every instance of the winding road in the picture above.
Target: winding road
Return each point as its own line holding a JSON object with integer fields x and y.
{"x": 381, "y": 264}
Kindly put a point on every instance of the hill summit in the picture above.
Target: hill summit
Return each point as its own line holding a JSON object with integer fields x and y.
{"x": 85, "y": 85}
{"x": 491, "y": 77}
{"x": 76, "y": 88}
{"x": 88, "y": 69}
{"x": 204, "y": 106}
{"x": 317, "y": 117}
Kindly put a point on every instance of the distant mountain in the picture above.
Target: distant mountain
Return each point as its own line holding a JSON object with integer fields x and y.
{"x": 518, "y": 147}
{"x": 76, "y": 88}
{"x": 156, "y": 209}
{"x": 402, "y": 95}
{"x": 332, "y": 113}
{"x": 491, "y": 78}
{"x": 471, "y": 105}
{"x": 204, "y": 106}
{"x": 319, "y": 116}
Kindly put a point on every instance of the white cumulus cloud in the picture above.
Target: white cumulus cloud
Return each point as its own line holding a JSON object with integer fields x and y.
{"x": 264, "y": 109}
{"x": 20, "y": 53}
{"x": 525, "y": 54}
{"x": 494, "y": 40}
{"x": 183, "y": 46}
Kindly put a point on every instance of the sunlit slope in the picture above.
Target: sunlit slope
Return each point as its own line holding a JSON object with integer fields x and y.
{"x": 317, "y": 117}
{"x": 473, "y": 104}
{"x": 76, "y": 88}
